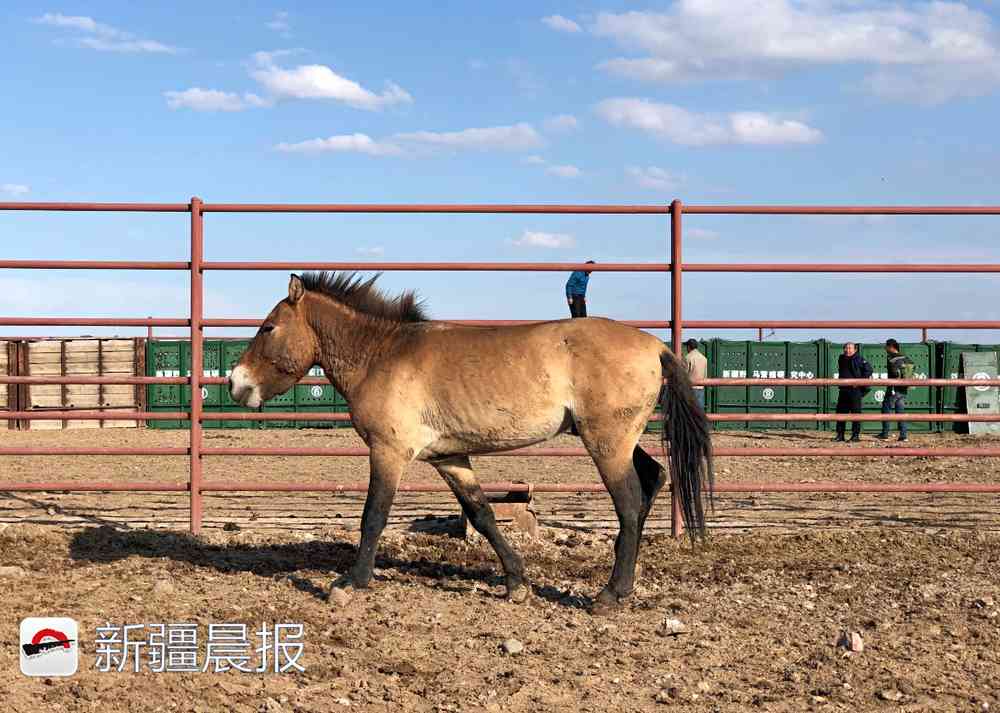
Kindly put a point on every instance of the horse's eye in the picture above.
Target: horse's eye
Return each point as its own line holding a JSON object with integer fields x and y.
{"x": 266, "y": 328}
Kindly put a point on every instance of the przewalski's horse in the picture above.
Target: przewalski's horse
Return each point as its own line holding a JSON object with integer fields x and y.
{"x": 440, "y": 392}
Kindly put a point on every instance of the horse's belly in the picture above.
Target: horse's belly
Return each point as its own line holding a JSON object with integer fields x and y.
{"x": 495, "y": 436}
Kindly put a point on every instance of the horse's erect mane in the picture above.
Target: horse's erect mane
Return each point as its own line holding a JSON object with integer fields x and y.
{"x": 352, "y": 290}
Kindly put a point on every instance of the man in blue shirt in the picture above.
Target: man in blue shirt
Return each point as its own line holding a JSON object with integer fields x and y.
{"x": 576, "y": 292}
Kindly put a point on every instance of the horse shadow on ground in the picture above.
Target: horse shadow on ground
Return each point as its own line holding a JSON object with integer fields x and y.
{"x": 106, "y": 544}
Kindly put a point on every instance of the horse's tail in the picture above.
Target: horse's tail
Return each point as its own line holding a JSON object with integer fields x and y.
{"x": 686, "y": 433}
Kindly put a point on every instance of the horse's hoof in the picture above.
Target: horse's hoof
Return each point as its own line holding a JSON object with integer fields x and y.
{"x": 606, "y": 603}
{"x": 518, "y": 593}
{"x": 603, "y": 608}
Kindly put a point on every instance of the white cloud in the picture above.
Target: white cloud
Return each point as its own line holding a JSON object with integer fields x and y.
{"x": 104, "y": 38}
{"x": 535, "y": 239}
{"x": 126, "y": 46}
{"x": 562, "y": 122}
{"x": 560, "y": 170}
{"x": 423, "y": 143}
{"x": 678, "y": 125}
{"x": 317, "y": 81}
{"x": 561, "y": 24}
{"x": 346, "y": 143}
{"x": 198, "y": 99}
{"x": 952, "y": 43}
{"x": 504, "y": 138}
{"x": 566, "y": 171}
{"x": 377, "y": 251}
{"x": 651, "y": 69}
{"x": 653, "y": 177}
{"x": 77, "y": 22}
{"x": 14, "y": 189}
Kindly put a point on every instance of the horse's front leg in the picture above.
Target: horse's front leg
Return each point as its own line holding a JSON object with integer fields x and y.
{"x": 386, "y": 470}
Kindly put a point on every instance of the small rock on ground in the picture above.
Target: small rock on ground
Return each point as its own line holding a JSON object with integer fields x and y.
{"x": 673, "y": 627}
{"x": 512, "y": 647}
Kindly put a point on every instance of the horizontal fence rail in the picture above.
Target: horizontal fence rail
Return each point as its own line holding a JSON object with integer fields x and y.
{"x": 592, "y": 267}
{"x": 196, "y": 266}
{"x": 91, "y": 265}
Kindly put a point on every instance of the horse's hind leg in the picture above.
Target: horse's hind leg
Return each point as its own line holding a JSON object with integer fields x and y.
{"x": 457, "y": 472}
{"x": 627, "y": 493}
{"x": 652, "y": 478}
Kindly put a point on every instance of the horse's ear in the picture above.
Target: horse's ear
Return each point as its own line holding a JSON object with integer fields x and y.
{"x": 295, "y": 289}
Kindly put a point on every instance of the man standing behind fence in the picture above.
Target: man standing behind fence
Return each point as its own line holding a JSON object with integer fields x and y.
{"x": 576, "y": 292}
{"x": 851, "y": 365}
{"x": 697, "y": 368}
{"x": 900, "y": 367}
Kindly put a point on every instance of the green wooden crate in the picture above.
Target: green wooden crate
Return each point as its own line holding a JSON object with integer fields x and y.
{"x": 730, "y": 425}
{"x": 729, "y": 359}
{"x": 317, "y": 395}
{"x": 767, "y": 360}
{"x": 211, "y": 395}
{"x": 803, "y": 425}
{"x": 324, "y": 424}
{"x": 805, "y": 360}
{"x": 163, "y": 359}
{"x": 767, "y": 425}
{"x": 166, "y": 425}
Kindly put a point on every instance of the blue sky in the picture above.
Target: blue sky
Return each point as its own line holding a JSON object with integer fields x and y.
{"x": 812, "y": 101}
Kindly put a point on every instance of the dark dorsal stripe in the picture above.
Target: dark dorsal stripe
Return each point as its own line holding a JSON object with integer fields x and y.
{"x": 351, "y": 289}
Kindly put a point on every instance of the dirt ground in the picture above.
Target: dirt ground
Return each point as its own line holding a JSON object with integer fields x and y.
{"x": 761, "y": 604}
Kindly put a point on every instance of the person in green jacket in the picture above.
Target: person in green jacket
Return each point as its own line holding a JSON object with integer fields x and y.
{"x": 895, "y": 396}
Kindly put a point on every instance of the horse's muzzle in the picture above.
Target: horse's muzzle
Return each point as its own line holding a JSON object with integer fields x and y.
{"x": 242, "y": 388}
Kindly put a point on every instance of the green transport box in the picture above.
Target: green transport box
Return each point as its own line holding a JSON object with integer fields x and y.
{"x": 173, "y": 358}
{"x": 766, "y": 360}
{"x": 952, "y": 399}
{"x": 784, "y": 360}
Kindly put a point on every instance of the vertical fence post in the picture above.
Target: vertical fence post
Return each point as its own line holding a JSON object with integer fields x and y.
{"x": 676, "y": 329}
{"x": 197, "y": 253}
{"x": 760, "y": 334}
{"x": 923, "y": 335}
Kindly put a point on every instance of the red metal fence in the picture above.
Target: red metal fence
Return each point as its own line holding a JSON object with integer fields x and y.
{"x": 197, "y": 322}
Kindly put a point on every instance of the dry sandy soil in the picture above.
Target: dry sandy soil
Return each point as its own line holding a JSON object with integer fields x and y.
{"x": 762, "y": 602}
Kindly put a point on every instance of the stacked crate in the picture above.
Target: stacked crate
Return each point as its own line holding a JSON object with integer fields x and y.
{"x": 80, "y": 357}
{"x": 8, "y": 392}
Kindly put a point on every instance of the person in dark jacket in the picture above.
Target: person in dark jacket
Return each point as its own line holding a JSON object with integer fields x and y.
{"x": 895, "y": 396}
{"x": 576, "y": 292}
{"x": 851, "y": 365}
